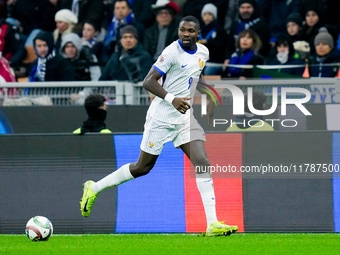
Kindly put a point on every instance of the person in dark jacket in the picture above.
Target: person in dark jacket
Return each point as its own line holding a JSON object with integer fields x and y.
{"x": 293, "y": 26}
{"x": 91, "y": 38}
{"x": 96, "y": 111}
{"x": 164, "y": 31}
{"x": 84, "y": 63}
{"x": 325, "y": 53}
{"x": 213, "y": 37}
{"x": 249, "y": 18}
{"x": 49, "y": 66}
{"x": 34, "y": 14}
{"x": 284, "y": 54}
{"x": 131, "y": 62}
{"x": 311, "y": 27}
{"x": 12, "y": 42}
{"x": 247, "y": 46}
{"x": 275, "y": 12}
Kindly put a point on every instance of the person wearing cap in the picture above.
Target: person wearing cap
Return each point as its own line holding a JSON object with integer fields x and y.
{"x": 66, "y": 21}
{"x": 131, "y": 62}
{"x": 293, "y": 26}
{"x": 49, "y": 66}
{"x": 325, "y": 53}
{"x": 213, "y": 37}
{"x": 249, "y": 18}
{"x": 312, "y": 24}
{"x": 164, "y": 31}
{"x": 84, "y": 63}
{"x": 96, "y": 110}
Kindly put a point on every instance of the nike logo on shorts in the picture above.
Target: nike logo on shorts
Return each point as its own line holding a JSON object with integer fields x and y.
{"x": 184, "y": 65}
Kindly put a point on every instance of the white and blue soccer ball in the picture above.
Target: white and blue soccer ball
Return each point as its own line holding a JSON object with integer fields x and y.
{"x": 39, "y": 228}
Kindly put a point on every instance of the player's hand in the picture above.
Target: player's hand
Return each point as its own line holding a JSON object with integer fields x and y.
{"x": 181, "y": 104}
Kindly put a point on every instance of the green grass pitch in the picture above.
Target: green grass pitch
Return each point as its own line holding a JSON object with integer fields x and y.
{"x": 174, "y": 244}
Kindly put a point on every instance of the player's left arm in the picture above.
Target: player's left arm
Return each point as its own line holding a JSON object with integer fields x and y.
{"x": 151, "y": 84}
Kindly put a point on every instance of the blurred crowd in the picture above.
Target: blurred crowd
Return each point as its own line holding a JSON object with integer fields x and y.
{"x": 84, "y": 40}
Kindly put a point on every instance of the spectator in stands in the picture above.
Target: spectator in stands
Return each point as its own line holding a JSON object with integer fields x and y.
{"x": 249, "y": 18}
{"x": 325, "y": 54}
{"x": 231, "y": 15}
{"x": 275, "y": 12}
{"x": 284, "y": 54}
{"x": 91, "y": 38}
{"x": 293, "y": 26}
{"x": 12, "y": 42}
{"x": 250, "y": 121}
{"x": 143, "y": 12}
{"x": 34, "y": 14}
{"x": 84, "y": 63}
{"x": 65, "y": 20}
{"x": 96, "y": 111}
{"x": 213, "y": 37}
{"x": 49, "y": 66}
{"x": 247, "y": 46}
{"x": 164, "y": 31}
{"x": 122, "y": 16}
{"x": 311, "y": 27}
{"x": 84, "y": 10}
{"x": 131, "y": 62}
{"x": 6, "y": 75}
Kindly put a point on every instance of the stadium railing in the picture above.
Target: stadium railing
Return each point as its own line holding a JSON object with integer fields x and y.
{"x": 323, "y": 90}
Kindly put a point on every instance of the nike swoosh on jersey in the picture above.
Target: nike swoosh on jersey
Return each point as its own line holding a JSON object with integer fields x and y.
{"x": 184, "y": 65}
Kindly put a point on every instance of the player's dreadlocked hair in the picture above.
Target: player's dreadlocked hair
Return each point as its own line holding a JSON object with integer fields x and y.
{"x": 191, "y": 19}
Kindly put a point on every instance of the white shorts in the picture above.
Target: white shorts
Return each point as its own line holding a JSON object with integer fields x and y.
{"x": 157, "y": 133}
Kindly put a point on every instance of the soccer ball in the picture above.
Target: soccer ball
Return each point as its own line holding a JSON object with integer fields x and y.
{"x": 39, "y": 228}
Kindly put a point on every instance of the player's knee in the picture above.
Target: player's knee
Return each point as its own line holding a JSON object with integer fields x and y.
{"x": 202, "y": 161}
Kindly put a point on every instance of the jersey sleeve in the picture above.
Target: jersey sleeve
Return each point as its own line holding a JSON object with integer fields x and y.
{"x": 165, "y": 60}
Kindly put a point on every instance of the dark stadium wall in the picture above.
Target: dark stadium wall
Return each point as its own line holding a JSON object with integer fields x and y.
{"x": 65, "y": 119}
{"x": 295, "y": 201}
{"x": 43, "y": 175}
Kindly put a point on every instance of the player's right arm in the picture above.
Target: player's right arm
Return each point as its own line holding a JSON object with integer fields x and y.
{"x": 151, "y": 84}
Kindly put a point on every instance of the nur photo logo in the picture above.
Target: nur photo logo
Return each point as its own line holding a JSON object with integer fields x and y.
{"x": 289, "y": 96}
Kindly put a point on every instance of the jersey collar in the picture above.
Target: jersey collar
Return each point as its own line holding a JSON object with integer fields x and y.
{"x": 188, "y": 51}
